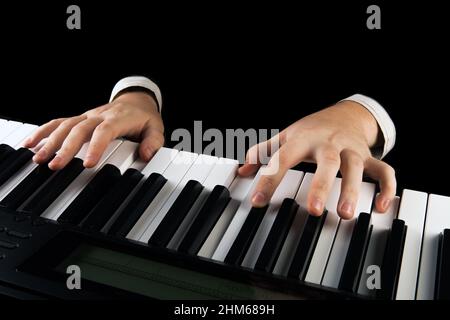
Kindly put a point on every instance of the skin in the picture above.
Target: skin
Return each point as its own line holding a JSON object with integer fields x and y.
{"x": 337, "y": 138}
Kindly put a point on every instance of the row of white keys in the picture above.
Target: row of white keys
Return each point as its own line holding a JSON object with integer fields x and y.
{"x": 8, "y": 127}
{"x": 287, "y": 188}
{"x": 236, "y": 224}
{"x": 381, "y": 225}
{"x": 77, "y": 185}
{"x": 292, "y": 239}
{"x": 412, "y": 210}
{"x": 198, "y": 172}
{"x": 158, "y": 164}
{"x": 222, "y": 173}
{"x": 438, "y": 219}
{"x": 15, "y": 138}
{"x": 174, "y": 173}
{"x": 341, "y": 243}
{"x": 238, "y": 191}
{"x": 324, "y": 244}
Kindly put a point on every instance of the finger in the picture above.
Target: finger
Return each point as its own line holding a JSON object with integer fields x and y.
{"x": 152, "y": 141}
{"x": 42, "y": 132}
{"x": 259, "y": 154}
{"x": 56, "y": 139}
{"x": 74, "y": 141}
{"x": 102, "y": 136}
{"x": 352, "y": 168}
{"x": 282, "y": 160}
{"x": 385, "y": 175}
{"x": 328, "y": 163}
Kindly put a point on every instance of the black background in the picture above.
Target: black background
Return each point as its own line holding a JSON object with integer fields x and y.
{"x": 258, "y": 65}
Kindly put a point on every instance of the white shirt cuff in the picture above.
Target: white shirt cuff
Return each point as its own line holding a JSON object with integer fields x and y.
{"x": 137, "y": 81}
{"x": 382, "y": 117}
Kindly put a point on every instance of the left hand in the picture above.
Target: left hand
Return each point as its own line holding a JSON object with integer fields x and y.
{"x": 337, "y": 138}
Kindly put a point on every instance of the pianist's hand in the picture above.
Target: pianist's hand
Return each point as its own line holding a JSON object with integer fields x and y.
{"x": 337, "y": 138}
{"x": 132, "y": 114}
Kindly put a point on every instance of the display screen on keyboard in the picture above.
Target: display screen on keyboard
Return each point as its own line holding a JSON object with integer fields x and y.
{"x": 154, "y": 279}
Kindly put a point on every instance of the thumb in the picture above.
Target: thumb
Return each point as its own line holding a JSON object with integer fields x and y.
{"x": 152, "y": 141}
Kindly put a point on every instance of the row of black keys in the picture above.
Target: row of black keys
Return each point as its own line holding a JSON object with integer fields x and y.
{"x": 108, "y": 190}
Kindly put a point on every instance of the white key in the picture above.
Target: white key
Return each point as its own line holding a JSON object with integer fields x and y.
{"x": 124, "y": 156}
{"x": 174, "y": 174}
{"x": 222, "y": 173}
{"x": 338, "y": 253}
{"x": 412, "y": 211}
{"x": 8, "y": 128}
{"x": 287, "y": 189}
{"x": 324, "y": 244}
{"x": 381, "y": 224}
{"x": 17, "y": 136}
{"x": 62, "y": 202}
{"x": 138, "y": 165}
{"x": 160, "y": 161}
{"x": 158, "y": 164}
{"x": 295, "y": 232}
{"x": 236, "y": 224}
{"x": 238, "y": 191}
{"x": 438, "y": 219}
{"x": 198, "y": 172}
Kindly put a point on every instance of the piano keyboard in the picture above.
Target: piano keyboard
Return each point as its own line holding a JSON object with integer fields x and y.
{"x": 195, "y": 205}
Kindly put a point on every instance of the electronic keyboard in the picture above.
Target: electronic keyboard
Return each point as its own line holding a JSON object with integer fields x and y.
{"x": 182, "y": 227}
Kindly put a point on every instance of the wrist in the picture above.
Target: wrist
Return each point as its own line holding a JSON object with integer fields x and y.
{"x": 362, "y": 120}
{"x": 139, "y": 98}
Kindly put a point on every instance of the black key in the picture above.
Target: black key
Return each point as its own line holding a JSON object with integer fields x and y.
{"x": 245, "y": 236}
{"x": 104, "y": 210}
{"x": 53, "y": 188}
{"x": 205, "y": 220}
{"x": 5, "y": 151}
{"x": 306, "y": 246}
{"x": 390, "y": 268}
{"x": 92, "y": 193}
{"x": 176, "y": 214}
{"x": 443, "y": 268}
{"x": 356, "y": 254}
{"x": 27, "y": 187}
{"x": 277, "y": 235}
{"x": 13, "y": 163}
{"x": 8, "y": 244}
{"x": 137, "y": 205}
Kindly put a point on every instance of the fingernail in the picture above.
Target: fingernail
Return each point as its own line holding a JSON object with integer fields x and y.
{"x": 88, "y": 160}
{"x": 57, "y": 160}
{"x": 317, "y": 205}
{"x": 27, "y": 141}
{"x": 259, "y": 199}
{"x": 149, "y": 153}
{"x": 347, "y": 208}
{"x": 42, "y": 154}
{"x": 385, "y": 203}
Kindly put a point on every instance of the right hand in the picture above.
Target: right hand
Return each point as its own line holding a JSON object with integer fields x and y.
{"x": 134, "y": 115}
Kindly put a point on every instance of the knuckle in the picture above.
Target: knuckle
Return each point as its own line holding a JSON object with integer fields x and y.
{"x": 55, "y": 122}
{"x": 350, "y": 191}
{"x": 105, "y": 127}
{"x": 388, "y": 171}
{"x": 354, "y": 160}
{"x": 320, "y": 186}
{"x": 268, "y": 183}
{"x": 331, "y": 156}
{"x": 66, "y": 124}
